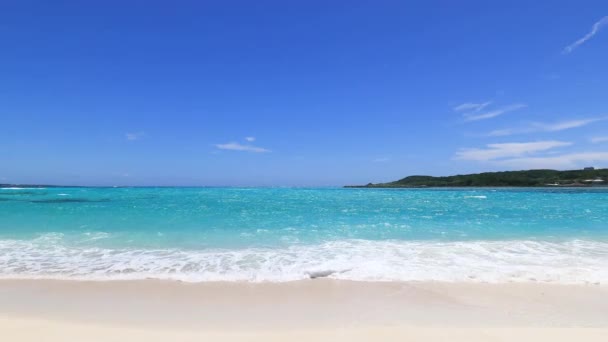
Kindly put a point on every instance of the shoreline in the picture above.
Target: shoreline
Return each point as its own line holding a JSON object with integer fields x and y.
{"x": 551, "y": 261}
{"x": 318, "y": 308}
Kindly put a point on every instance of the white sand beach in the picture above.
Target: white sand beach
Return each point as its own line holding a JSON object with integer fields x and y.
{"x": 320, "y": 310}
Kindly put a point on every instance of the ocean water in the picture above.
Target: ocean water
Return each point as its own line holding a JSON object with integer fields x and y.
{"x": 284, "y": 234}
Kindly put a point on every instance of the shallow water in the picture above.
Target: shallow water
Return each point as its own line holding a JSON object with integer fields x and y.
{"x": 280, "y": 234}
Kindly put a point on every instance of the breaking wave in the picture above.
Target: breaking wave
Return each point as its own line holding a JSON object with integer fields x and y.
{"x": 568, "y": 262}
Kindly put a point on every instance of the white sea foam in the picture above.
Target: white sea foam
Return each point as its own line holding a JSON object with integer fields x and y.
{"x": 570, "y": 262}
{"x": 96, "y": 236}
{"x": 478, "y": 196}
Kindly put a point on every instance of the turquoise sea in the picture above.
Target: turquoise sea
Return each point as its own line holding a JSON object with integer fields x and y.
{"x": 283, "y": 234}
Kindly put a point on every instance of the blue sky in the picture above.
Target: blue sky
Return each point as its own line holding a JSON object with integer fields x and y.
{"x": 298, "y": 92}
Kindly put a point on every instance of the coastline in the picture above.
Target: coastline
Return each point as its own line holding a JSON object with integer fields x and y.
{"x": 582, "y": 178}
{"x": 435, "y": 266}
{"x": 568, "y": 186}
{"x": 301, "y": 310}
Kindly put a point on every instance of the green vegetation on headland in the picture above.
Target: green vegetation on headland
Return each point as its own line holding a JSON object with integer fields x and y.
{"x": 528, "y": 178}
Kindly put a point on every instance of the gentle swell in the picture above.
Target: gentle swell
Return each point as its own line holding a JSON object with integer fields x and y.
{"x": 576, "y": 261}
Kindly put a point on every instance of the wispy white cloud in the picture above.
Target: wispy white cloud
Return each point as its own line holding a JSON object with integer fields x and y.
{"x": 503, "y": 132}
{"x": 546, "y": 127}
{"x": 508, "y": 150}
{"x": 594, "y": 29}
{"x": 250, "y": 139}
{"x": 563, "y": 125}
{"x": 134, "y": 136}
{"x": 469, "y": 106}
{"x": 235, "y": 146}
{"x": 478, "y": 115}
{"x": 560, "y": 161}
{"x": 597, "y": 140}
{"x": 533, "y": 155}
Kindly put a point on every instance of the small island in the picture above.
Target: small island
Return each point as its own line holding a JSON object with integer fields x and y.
{"x": 586, "y": 177}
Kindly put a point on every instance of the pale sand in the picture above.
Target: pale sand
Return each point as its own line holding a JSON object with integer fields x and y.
{"x": 315, "y": 310}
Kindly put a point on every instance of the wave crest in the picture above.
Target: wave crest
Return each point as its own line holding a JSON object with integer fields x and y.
{"x": 570, "y": 262}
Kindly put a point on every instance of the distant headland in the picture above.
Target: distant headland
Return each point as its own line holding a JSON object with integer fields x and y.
{"x": 586, "y": 177}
